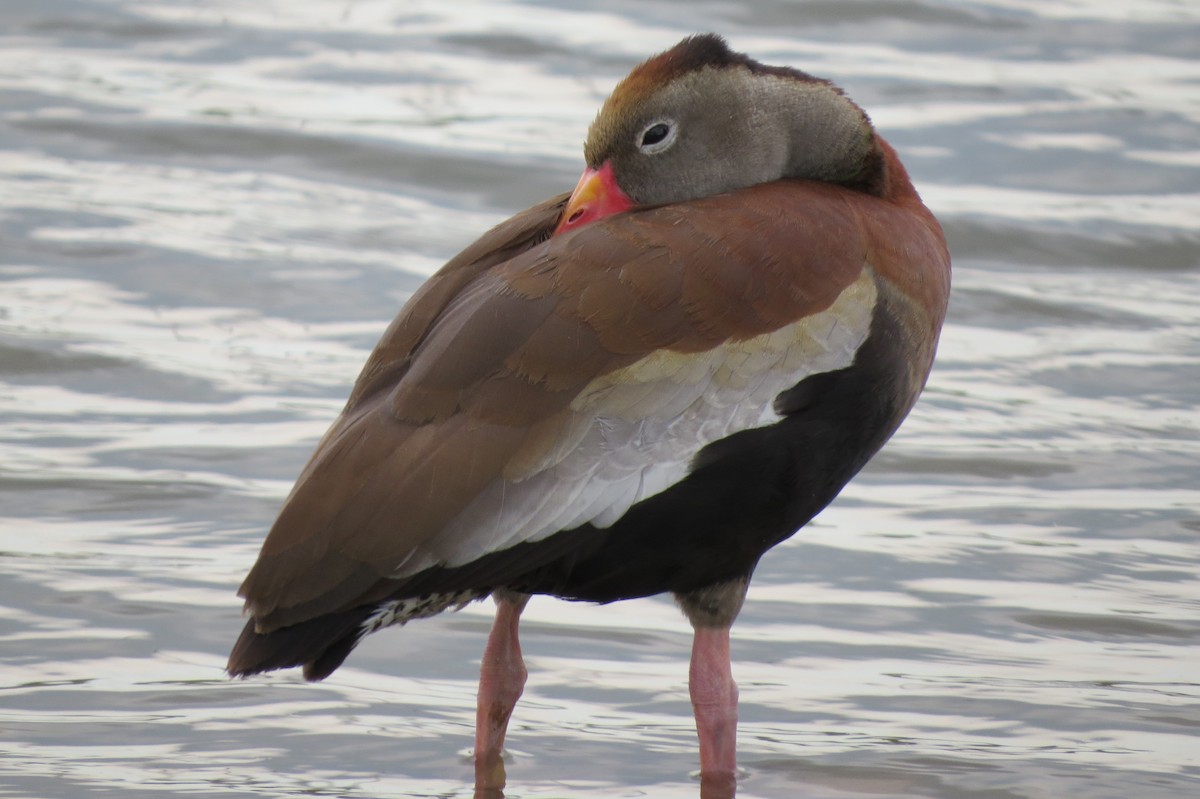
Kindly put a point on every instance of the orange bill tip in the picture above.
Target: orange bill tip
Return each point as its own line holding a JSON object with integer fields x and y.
{"x": 596, "y": 196}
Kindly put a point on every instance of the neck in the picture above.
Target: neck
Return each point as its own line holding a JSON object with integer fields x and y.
{"x": 830, "y": 138}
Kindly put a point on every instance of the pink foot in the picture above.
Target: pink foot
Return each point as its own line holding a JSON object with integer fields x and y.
{"x": 714, "y": 700}
{"x": 501, "y": 681}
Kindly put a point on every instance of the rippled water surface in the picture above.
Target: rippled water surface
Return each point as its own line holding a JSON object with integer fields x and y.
{"x": 209, "y": 211}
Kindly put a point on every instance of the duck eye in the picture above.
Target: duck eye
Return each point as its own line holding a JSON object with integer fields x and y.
{"x": 654, "y": 134}
{"x": 657, "y": 136}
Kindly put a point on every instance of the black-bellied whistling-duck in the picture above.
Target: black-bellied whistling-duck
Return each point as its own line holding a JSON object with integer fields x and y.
{"x": 638, "y": 388}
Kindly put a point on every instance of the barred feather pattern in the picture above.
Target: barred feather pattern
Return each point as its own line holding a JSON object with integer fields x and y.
{"x": 402, "y": 611}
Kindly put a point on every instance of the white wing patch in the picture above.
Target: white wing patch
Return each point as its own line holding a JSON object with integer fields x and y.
{"x": 633, "y": 433}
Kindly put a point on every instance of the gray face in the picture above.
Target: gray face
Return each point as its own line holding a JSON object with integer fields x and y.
{"x": 714, "y": 130}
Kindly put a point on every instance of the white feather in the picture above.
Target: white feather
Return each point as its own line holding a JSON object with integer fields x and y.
{"x": 633, "y": 432}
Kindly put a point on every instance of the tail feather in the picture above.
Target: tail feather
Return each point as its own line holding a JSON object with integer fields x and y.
{"x": 318, "y": 645}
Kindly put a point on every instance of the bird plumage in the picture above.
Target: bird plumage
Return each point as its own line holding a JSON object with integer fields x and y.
{"x": 644, "y": 403}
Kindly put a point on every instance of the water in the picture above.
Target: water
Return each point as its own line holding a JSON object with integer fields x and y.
{"x": 209, "y": 211}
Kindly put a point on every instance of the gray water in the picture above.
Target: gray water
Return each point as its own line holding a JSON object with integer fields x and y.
{"x": 210, "y": 210}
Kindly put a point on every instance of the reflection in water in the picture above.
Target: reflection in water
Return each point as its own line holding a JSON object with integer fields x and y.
{"x": 210, "y": 211}
{"x": 719, "y": 787}
{"x": 722, "y": 786}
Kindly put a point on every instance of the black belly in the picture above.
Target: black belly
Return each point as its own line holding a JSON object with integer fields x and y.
{"x": 744, "y": 494}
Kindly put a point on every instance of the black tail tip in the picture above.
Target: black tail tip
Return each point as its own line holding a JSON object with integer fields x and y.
{"x": 318, "y": 646}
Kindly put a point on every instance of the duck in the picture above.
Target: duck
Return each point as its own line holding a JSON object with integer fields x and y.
{"x": 635, "y": 388}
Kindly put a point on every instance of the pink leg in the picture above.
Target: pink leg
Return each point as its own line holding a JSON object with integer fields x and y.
{"x": 501, "y": 681}
{"x": 715, "y": 700}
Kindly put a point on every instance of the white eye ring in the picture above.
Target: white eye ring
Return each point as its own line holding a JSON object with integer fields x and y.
{"x": 657, "y": 136}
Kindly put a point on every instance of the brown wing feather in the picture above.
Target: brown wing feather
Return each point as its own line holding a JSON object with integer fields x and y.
{"x": 513, "y": 236}
{"x": 477, "y": 371}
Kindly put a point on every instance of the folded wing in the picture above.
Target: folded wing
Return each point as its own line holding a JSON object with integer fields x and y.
{"x": 537, "y": 384}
